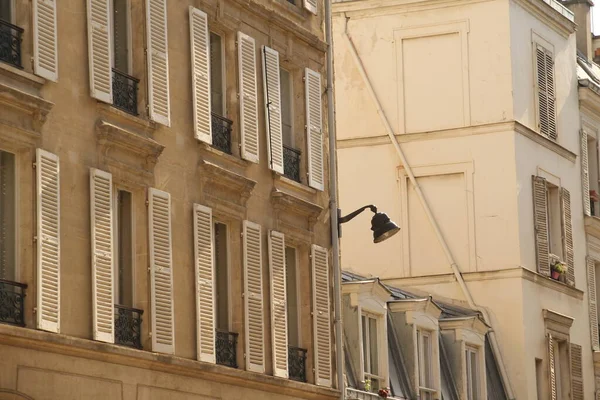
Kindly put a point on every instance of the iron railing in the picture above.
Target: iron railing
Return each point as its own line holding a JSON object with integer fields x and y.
{"x": 297, "y": 363}
{"x": 125, "y": 90}
{"x": 12, "y": 302}
{"x": 291, "y": 163}
{"x": 226, "y": 348}
{"x": 11, "y": 37}
{"x": 128, "y": 326}
{"x": 221, "y": 133}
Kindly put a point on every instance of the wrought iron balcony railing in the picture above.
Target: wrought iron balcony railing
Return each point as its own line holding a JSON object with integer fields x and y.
{"x": 125, "y": 90}
{"x": 11, "y": 37}
{"x": 291, "y": 163}
{"x": 128, "y": 326}
{"x": 12, "y": 302}
{"x": 297, "y": 363}
{"x": 221, "y": 133}
{"x": 226, "y": 348}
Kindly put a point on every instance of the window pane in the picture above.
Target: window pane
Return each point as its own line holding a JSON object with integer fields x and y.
{"x": 5, "y": 10}
{"x": 7, "y": 216}
{"x": 120, "y": 36}
{"x": 292, "y": 296}
{"x": 286, "y": 108}
{"x": 216, "y": 75}
{"x": 124, "y": 249}
{"x": 374, "y": 357}
{"x": 474, "y": 373}
{"x": 427, "y": 362}
{"x": 222, "y": 285}
{"x": 365, "y": 335}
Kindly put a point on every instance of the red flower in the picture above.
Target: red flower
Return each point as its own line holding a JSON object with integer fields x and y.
{"x": 384, "y": 393}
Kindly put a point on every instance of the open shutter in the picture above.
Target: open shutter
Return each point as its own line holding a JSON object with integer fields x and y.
{"x": 576, "y": 373}
{"x": 253, "y": 298}
{"x": 321, "y": 315}
{"x": 100, "y": 49}
{"x": 310, "y": 5}
{"x": 314, "y": 128}
{"x": 552, "y": 133}
{"x": 551, "y": 368}
{"x": 199, "y": 39}
{"x": 205, "y": 294}
{"x": 248, "y": 98}
{"x": 48, "y": 241}
{"x": 545, "y": 92}
{"x": 541, "y": 225}
{"x": 158, "y": 61}
{"x": 102, "y": 254}
{"x": 565, "y": 201}
{"x": 278, "y": 304}
{"x": 585, "y": 175}
{"x": 272, "y": 89}
{"x": 161, "y": 271}
{"x": 593, "y": 307}
{"x": 45, "y": 52}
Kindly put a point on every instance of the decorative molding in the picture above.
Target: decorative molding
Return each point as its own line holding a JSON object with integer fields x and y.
{"x": 23, "y": 103}
{"x": 135, "y": 123}
{"x": 549, "y": 15}
{"x": 558, "y": 325}
{"x": 593, "y": 246}
{"x": 291, "y": 203}
{"x": 592, "y": 226}
{"x": 544, "y": 141}
{"x": 372, "y": 288}
{"x": 425, "y": 305}
{"x": 282, "y": 182}
{"x": 373, "y": 8}
{"x": 471, "y": 323}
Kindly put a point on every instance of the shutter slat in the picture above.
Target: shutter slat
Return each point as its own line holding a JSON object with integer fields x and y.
{"x": 314, "y": 129}
{"x": 100, "y": 49}
{"x": 273, "y": 115}
{"x": 200, "y": 49}
{"x": 321, "y": 315}
{"x": 253, "y": 298}
{"x": 45, "y": 43}
{"x": 585, "y": 176}
{"x": 158, "y": 61}
{"x": 565, "y": 200}
{"x": 48, "y": 241}
{"x": 551, "y": 367}
{"x": 541, "y": 225}
{"x": 248, "y": 98}
{"x": 593, "y": 307}
{"x": 279, "y": 332}
{"x": 545, "y": 92}
{"x": 552, "y": 132}
{"x": 576, "y": 372}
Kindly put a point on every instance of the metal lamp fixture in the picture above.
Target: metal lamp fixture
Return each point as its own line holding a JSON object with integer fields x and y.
{"x": 383, "y": 228}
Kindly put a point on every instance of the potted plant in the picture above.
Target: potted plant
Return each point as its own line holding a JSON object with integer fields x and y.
{"x": 367, "y": 385}
{"x": 384, "y": 393}
{"x": 557, "y": 269}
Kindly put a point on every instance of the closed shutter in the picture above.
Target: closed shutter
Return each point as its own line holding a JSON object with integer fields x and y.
{"x": 551, "y": 368}
{"x": 253, "y": 298}
{"x": 565, "y": 201}
{"x": 48, "y": 241}
{"x": 541, "y": 225}
{"x": 158, "y": 61}
{"x": 545, "y": 92}
{"x": 585, "y": 175}
{"x": 278, "y": 304}
{"x": 248, "y": 98}
{"x": 576, "y": 372}
{"x": 272, "y": 89}
{"x": 593, "y": 307}
{"x": 314, "y": 128}
{"x": 99, "y": 49}
{"x": 321, "y": 315}
{"x": 205, "y": 294}
{"x": 199, "y": 39}
{"x": 45, "y": 44}
{"x": 161, "y": 271}
{"x": 101, "y": 212}
{"x": 310, "y": 5}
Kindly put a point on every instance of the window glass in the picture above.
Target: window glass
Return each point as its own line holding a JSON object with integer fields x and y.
{"x": 472, "y": 374}
{"x": 286, "y": 108}
{"x": 6, "y": 10}
{"x": 425, "y": 354}
{"x": 292, "y": 297}
{"x": 7, "y": 216}
{"x": 373, "y": 354}
{"x": 216, "y": 75}
{"x": 121, "y": 36}
{"x": 365, "y": 338}
{"x": 221, "y": 276}
{"x": 124, "y": 249}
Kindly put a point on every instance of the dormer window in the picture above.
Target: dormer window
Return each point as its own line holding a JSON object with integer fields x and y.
{"x": 370, "y": 352}
{"x": 472, "y": 364}
{"x": 425, "y": 354}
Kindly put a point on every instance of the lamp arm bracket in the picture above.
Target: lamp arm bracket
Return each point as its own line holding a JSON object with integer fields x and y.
{"x": 353, "y": 214}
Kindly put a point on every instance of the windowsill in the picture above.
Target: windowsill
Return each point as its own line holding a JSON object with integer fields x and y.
{"x": 296, "y": 11}
{"x": 282, "y": 182}
{"x": 228, "y": 158}
{"x": 544, "y": 141}
{"x": 147, "y": 126}
{"x": 592, "y": 225}
{"x": 21, "y": 75}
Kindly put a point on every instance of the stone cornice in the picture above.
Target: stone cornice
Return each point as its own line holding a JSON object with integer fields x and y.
{"x": 544, "y": 141}
{"x": 550, "y": 16}
{"x": 557, "y": 324}
{"x": 369, "y": 8}
{"x": 28, "y": 104}
{"x": 592, "y": 226}
{"x": 589, "y": 96}
{"x": 289, "y": 202}
{"x": 370, "y": 287}
{"x": 471, "y": 323}
{"x": 425, "y": 305}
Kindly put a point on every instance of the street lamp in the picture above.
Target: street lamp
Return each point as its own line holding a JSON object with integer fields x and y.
{"x": 381, "y": 225}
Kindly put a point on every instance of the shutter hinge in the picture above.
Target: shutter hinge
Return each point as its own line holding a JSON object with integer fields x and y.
{"x": 147, "y": 203}
{"x": 35, "y": 238}
{"x": 244, "y": 356}
{"x": 304, "y": 78}
{"x": 34, "y": 165}
{"x": 32, "y": 64}
{"x": 150, "y": 333}
{"x": 35, "y": 310}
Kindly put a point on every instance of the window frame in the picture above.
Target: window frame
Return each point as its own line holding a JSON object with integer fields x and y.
{"x": 423, "y": 334}
{"x": 380, "y": 377}
{"x": 16, "y": 269}
{"x": 290, "y": 99}
{"x": 298, "y": 302}
{"x": 223, "y": 54}
{"x": 472, "y": 392}
{"x": 548, "y": 49}
{"x": 227, "y": 271}
{"x": 11, "y": 5}
{"x": 129, "y": 36}
{"x": 116, "y": 239}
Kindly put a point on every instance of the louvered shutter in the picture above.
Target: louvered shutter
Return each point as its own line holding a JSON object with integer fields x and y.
{"x": 199, "y": 39}
{"x": 161, "y": 272}
{"x": 248, "y": 98}
{"x": 100, "y": 49}
{"x": 541, "y": 225}
{"x": 565, "y": 201}
{"x": 45, "y": 52}
{"x": 310, "y": 5}
{"x": 48, "y": 241}
{"x": 545, "y": 92}
{"x": 321, "y": 315}
{"x": 158, "y": 61}
{"x": 551, "y": 367}
{"x": 278, "y": 304}
{"x": 253, "y": 298}
{"x": 593, "y": 308}
{"x": 585, "y": 176}
{"x": 101, "y": 223}
{"x": 576, "y": 372}
{"x": 205, "y": 294}
{"x": 314, "y": 128}
{"x": 272, "y": 89}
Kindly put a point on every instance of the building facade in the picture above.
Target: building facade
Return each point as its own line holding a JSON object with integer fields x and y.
{"x": 164, "y": 200}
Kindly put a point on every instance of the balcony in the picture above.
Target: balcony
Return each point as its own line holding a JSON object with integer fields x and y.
{"x": 128, "y": 326}
{"x": 221, "y": 133}
{"x": 12, "y": 302}
{"x": 226, "y": 348}
{"x": 297, "y": 363}
{"x": 291, "y": 163}
{"x": 10, "y": 43}
{"x": 125, "y": 90}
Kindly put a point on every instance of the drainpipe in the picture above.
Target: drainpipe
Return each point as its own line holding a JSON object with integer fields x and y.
{"x": 333, "y": 209}
{"x": 430, "y": 217}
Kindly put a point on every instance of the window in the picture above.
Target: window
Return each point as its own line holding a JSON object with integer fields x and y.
{"x": 7, "y": 217}
{"x": 472, "y": 364}
{"x": 124, "y": 265}
{"x": 6, "y": 10}
{"x": 592, "y": 153}
{"x": 553, "y": 216}
{"x": 425, "y": 358}
{"x": 370, "y": 351}
{"x": 293, "y": 306}
{"x": 561, "y": 369}
{"x": 120, "y": 37}
{"x": 286, "y": 107}
{"x": 217, "y": 81}
{"x": 539, "y": 379}
{"x": 545, "y": 91}
{"x": 221, "y": 277}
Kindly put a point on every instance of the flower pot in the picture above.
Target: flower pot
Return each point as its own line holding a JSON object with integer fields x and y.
{"x": 555, "y": 275}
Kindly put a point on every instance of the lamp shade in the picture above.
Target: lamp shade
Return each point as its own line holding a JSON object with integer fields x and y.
{"x": 382, "y": 227}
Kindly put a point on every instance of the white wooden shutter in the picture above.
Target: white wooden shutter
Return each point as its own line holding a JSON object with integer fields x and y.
{"x": 161, "y": 271}
{"x": 541, "y": 225}
{"x": 101, "y": 223}
{"x": 585, "y": 175}
{"x": 576, "y": 372}
{"x": 45, "y": 44}
{"x": 253, "y": 298}
{"x": 205, "y": 294}
{"x": 278, "y": 304}
{"x": 314, "y": 128}
{"x": 551, "y": 368}
{"x": 310, "y": 5}
{"x": 321, "y": 315}
{"x": 48, "y": 241}
{"x": 248, "y": 98}
{"x": 100, "y": 49}
{"x": 592, "y": 306}
{"x": 546, "y": 100}
{"x": 158, "y": 61}
{"x": 272, "y": 90}
{"x": 200, "y": 42}
{"x": 565, "y": 201}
